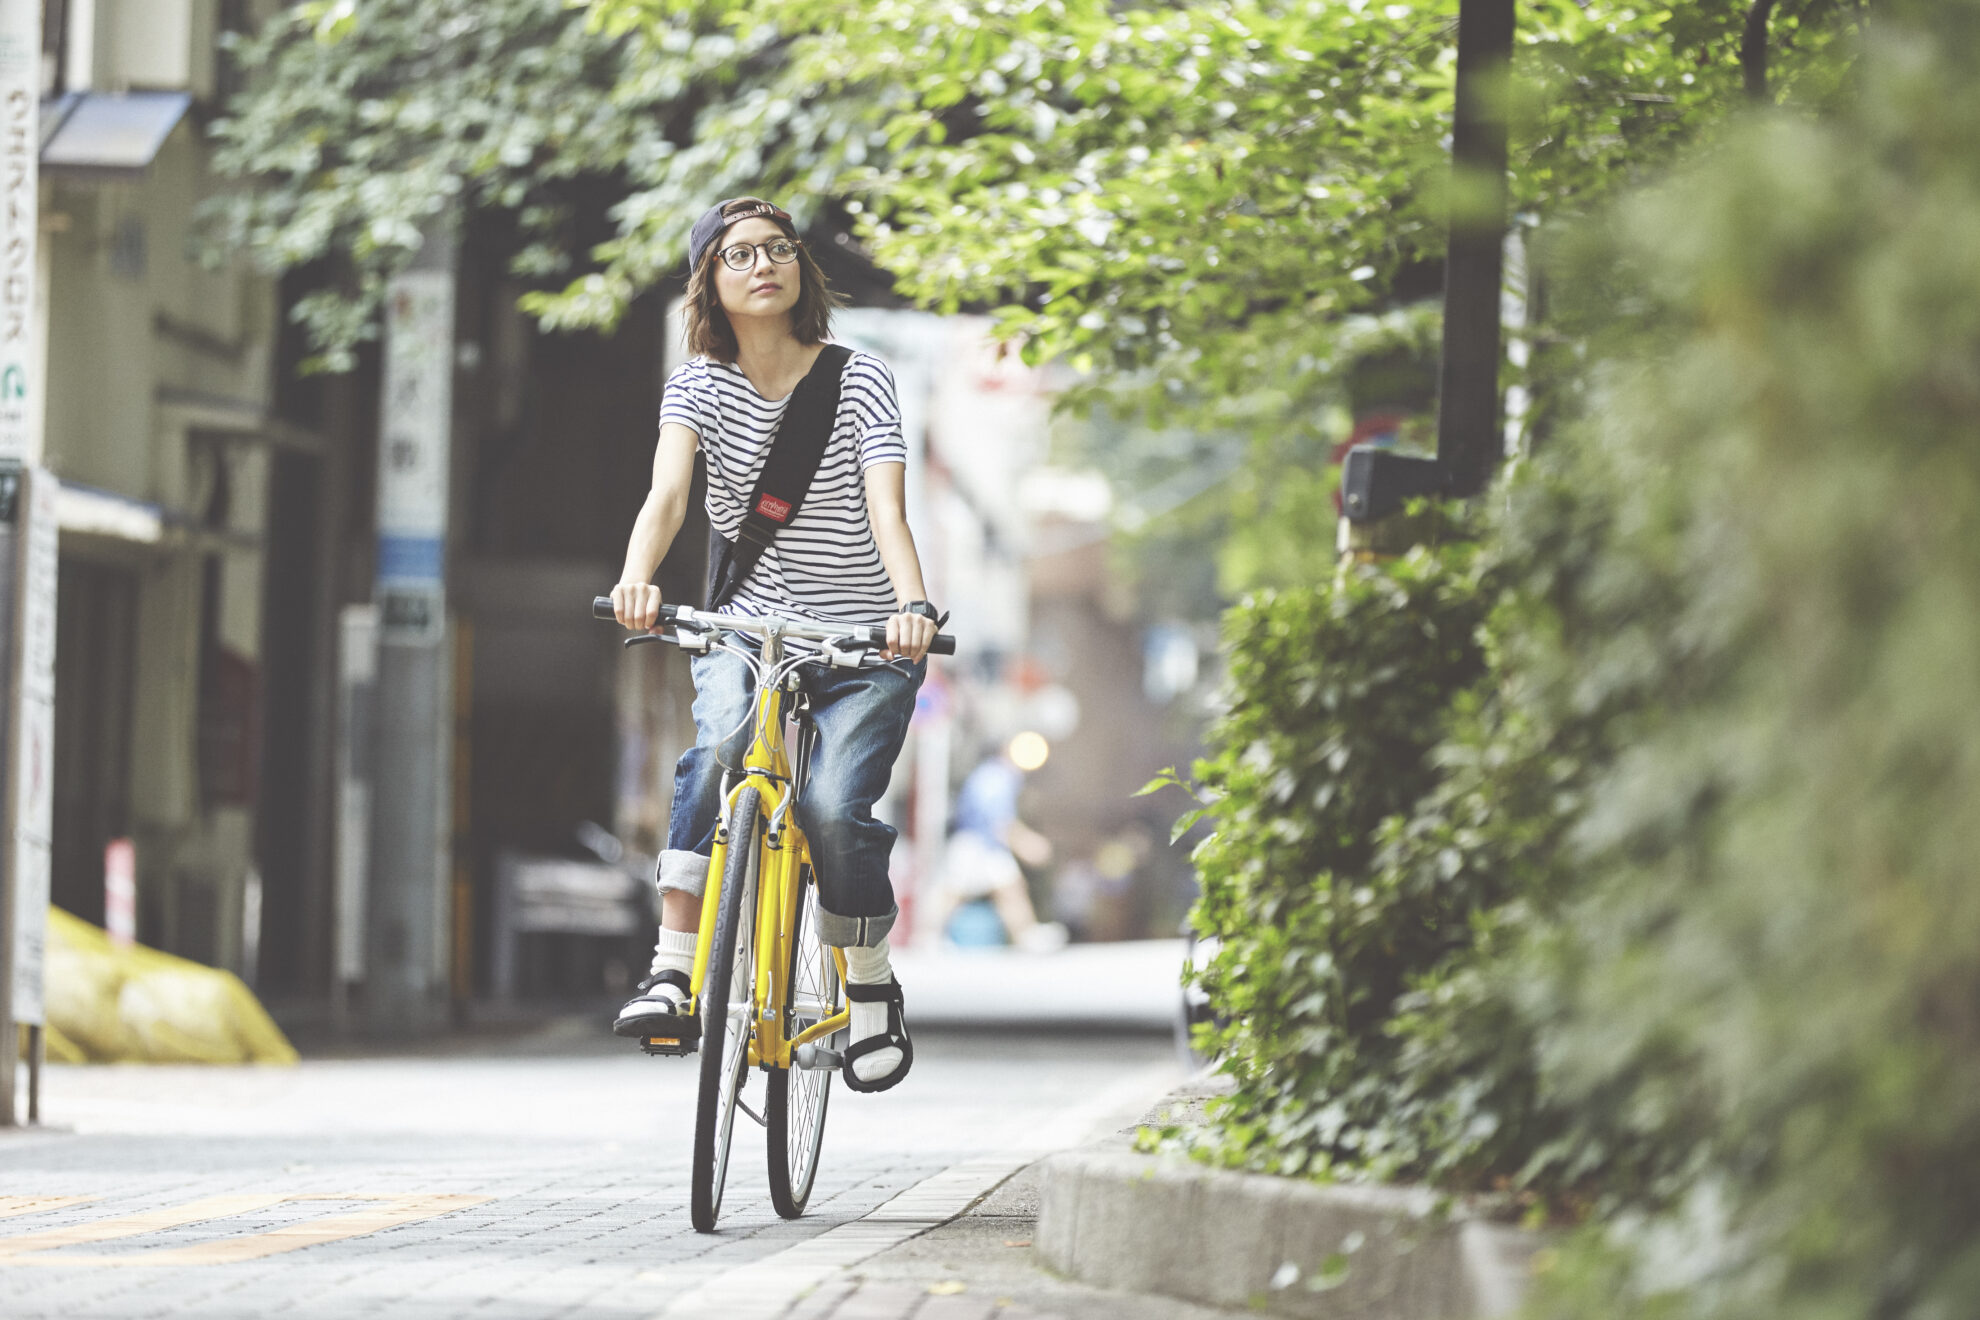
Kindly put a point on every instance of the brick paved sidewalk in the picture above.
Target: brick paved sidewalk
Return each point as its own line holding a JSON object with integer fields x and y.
{"x": 497, "y": 1188}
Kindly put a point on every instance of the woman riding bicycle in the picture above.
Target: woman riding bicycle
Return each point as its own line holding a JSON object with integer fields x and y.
{"x": 758, "y": 317}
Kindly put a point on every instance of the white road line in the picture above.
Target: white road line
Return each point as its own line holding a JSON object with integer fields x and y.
{"x": 764, "y": 1289}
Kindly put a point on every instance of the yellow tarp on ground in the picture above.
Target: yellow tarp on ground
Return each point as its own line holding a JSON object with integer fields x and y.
{"x": 136, "y": 1005}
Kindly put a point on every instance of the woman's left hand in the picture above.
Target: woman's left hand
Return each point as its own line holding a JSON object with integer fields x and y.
{"x": 908, "y": 635}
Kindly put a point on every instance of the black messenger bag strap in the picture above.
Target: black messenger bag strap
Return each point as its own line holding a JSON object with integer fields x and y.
{"x": 795, "y": 452}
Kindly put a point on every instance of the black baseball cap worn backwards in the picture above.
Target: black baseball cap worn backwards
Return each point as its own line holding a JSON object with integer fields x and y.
{"x": 713, "y": 224}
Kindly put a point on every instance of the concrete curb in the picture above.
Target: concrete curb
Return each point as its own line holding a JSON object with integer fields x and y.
{"x": 1117, "y": 1219}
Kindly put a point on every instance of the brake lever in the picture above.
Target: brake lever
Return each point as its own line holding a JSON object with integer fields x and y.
{"x": 692, "y": 640}
{"x": 847, "y": 658}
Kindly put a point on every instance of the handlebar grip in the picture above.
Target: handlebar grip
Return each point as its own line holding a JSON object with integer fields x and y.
{"x": 943, "y": 644}
{"x": 601, "y": 608}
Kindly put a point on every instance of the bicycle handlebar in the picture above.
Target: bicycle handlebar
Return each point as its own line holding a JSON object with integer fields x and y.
{"x": 863, "y": 634}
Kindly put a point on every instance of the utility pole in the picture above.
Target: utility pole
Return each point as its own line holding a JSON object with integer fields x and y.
{"x": 408, "y": 905}
{"x": 1376, "y": 482}
{"x": 27, "y": 564}
{"x": 1468, "y": 437}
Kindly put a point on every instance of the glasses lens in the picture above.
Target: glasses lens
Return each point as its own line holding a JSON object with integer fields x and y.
{"x": 782, "y": 251}
{"x": 740, "y": 257}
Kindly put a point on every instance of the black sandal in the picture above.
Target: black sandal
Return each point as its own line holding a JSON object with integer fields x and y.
{"x": 895, "y": 1037}
{"x": 658, "y": 1021}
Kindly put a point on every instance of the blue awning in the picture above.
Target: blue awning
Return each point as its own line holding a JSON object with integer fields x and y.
{"x": 108, "y": 135}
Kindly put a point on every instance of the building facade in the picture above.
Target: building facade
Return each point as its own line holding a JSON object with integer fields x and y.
{"x": 161, "y": 428}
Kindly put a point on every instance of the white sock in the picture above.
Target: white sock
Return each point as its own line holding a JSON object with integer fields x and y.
{"x": 871, "y": 967}
{"x": 673, "y": 952}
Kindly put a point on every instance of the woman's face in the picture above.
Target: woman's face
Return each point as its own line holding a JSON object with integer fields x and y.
{"x": 762, "y": 288}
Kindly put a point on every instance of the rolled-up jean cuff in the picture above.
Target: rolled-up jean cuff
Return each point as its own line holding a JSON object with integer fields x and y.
{"x": 685, "y": 871}
{"x": 855, "y": 932}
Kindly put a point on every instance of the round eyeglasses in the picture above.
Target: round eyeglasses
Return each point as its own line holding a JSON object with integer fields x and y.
{"x": 741, "y": 256}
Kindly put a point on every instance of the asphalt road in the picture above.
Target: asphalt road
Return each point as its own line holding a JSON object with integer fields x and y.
{"x": 538, "y": 1177}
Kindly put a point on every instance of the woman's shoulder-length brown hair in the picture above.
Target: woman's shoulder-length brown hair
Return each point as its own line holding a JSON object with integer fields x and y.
{"x": 709, "y": 333}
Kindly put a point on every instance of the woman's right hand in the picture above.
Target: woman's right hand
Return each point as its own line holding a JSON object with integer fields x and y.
{"x": 636, "y": 605}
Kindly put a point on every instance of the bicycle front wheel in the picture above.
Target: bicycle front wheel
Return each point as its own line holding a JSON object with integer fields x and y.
{"x": 795, "y": 1111}
{"x": 727, "y": 995}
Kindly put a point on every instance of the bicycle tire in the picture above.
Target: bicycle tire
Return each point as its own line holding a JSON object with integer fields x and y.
{"x": 725, "y": 1035}
{"x": 794, "y": 1109}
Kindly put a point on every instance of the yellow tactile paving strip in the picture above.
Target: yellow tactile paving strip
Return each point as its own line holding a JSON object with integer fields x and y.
{"x": 123, "y": 1226}
{"x": 27, "y": 1205}
{"x": 385, "y": 1212}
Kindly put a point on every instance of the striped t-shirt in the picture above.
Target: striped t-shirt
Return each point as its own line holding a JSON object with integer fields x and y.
{"x": 823, "y": 565}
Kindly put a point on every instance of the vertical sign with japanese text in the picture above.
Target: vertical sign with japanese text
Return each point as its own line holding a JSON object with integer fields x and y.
{"x": 27, "y": 634}
{"x": 414, "y": 454}
{"x": 20, "y": 149}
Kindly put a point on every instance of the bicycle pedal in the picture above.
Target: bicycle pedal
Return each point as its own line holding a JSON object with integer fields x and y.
{"x": 813, "y": 1055}
{"x": 669, "y": 1045}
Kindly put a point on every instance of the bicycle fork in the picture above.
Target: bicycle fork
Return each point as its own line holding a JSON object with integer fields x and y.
{"x": 779, "y": 894}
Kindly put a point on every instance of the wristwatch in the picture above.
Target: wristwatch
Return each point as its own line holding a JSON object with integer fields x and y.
{"x": 925, "y": 610}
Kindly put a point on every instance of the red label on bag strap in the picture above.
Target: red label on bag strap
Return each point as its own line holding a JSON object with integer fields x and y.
{"x": 774, "y": 509}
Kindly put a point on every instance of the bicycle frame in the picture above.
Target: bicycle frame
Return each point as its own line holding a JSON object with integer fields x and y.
{"x": 768, "y": 770}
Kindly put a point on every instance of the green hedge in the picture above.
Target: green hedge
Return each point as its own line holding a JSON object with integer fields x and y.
{"x": 1628, "y": 862}
{"x": 1770, "y": 972}
{"x": 1391, "y": 789}
{"x": 1338, "y": 694}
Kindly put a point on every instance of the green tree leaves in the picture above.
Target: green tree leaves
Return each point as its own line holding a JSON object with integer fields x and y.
{"x": 367, "y": 123}
{"x": 1200, "y": 189}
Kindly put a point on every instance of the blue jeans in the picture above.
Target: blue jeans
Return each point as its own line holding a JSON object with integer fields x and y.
{"x": 862, "y": 717}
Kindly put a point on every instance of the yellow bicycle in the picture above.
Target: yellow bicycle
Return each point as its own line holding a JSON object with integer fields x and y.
{"x": 764, "y": 989}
